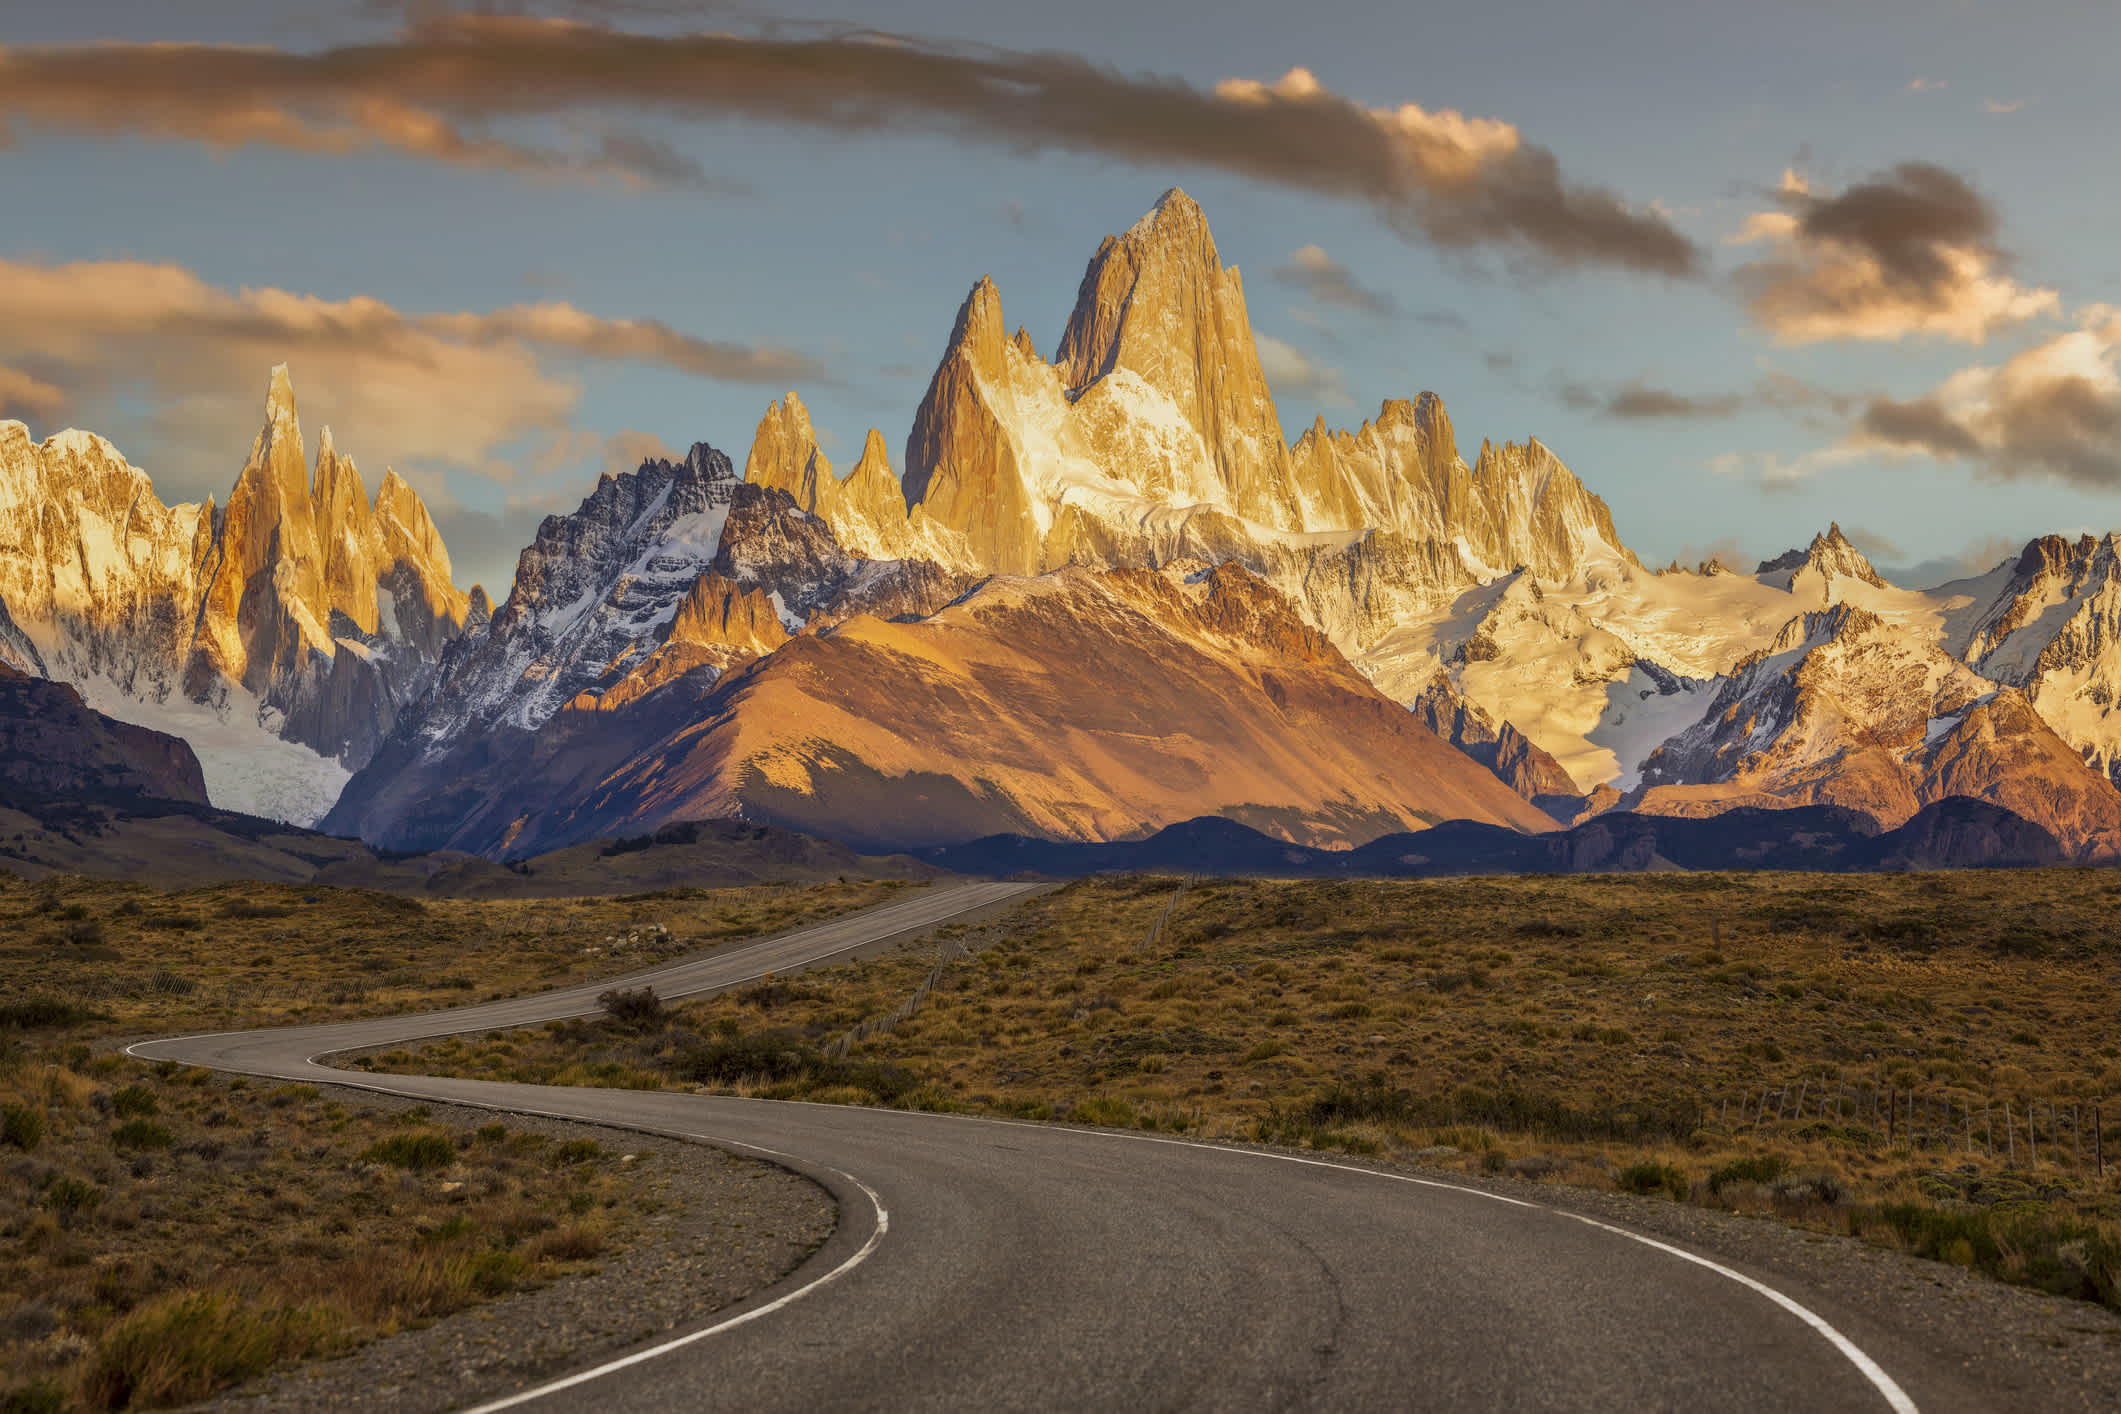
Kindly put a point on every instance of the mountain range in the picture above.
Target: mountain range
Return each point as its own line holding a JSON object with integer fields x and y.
{"x": 1100, "y": 596}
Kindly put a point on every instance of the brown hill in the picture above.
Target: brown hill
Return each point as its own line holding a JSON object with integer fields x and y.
{"x": 1082, "y": 705}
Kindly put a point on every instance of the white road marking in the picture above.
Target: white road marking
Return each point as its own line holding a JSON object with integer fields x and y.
{"x": 876, "y": 1237}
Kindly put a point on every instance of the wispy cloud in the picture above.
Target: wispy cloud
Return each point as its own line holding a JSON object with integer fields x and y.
{"x": 1291, "y": 372}
{"x": 1912, "y": 251}
{"x": 1328, "y": 281}
{"x": 437, "y": 89}
{"x": 1923, "y": 85}
{"x": 1991, "y": 105}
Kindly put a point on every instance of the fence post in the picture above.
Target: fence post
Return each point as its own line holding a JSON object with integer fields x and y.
{"x": 2032, "y": 1130}
{"x": 1800, "y": 1097}
{"x": 2076, "y": 1136}
{"x": 2098, "y": 1152}
{"x": 2010, "y": 1132}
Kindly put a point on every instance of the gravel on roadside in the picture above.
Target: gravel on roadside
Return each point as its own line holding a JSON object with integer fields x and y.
{"x": 727, "y": 1227}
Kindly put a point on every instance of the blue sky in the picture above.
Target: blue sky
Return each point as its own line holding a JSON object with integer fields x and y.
{"x": 837, "y": 257}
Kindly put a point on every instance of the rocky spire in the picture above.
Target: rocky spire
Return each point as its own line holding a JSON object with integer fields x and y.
{"x": 785, "y": 455}
{"x": 1157, "y": 302}
{"x": 961, "y": 459}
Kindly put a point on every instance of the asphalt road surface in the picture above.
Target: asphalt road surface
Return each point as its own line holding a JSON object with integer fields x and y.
{"x": 987, "y": 1265}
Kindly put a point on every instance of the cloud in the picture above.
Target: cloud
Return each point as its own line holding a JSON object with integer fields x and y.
{"x": 1290, "y": 372}
{"x": 1499, "y": 361}
{"x": 1979, "y": 557}
{"x": 1017, "y": 215}
{"x": 438, "y": 87}
{"x": 1639, "y": 402}
{"x": 452, "y": 389}
{"x": 1923, "y": 85}
{"x": 2053, "y": 410}
{"x": 627, "y": 449}
{"x": 1326, "y": 280}
{"x": 1991, "y": 105}
{"x": 1442, "y": 319}
{"x": 22, "y": 393}
{"x": 1911, "y": 251}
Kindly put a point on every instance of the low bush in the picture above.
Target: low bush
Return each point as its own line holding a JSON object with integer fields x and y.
{"x": 188, "y": 1345}
{"x": 1765, "y": 1168}
{"x": 21, "y": 1127}
{"x": 1648, "y": 1176}
{"x": 427, "y": 1150}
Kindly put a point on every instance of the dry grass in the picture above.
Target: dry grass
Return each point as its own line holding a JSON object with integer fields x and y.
{"x": 1597, "y": 1030}
{"x": 132, "y": 959}
{"x": 166, "y": 1232}
{"x": 229, "y": 1224}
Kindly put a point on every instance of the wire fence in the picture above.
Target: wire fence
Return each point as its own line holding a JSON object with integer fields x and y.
{"x": 2013, "y": 1129}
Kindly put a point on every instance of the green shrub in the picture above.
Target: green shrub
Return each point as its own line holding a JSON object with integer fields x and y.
{"x": 68, "y": 1196}
{"x": 21, "y": 1127}
{"x": 636, "y": 1010}
{"x": 133, "y": 1100}
{"x": 1766, "y": 1168}
{"x": 35, "y": 1013}
{"x": 578, "y": 1151}
{"x": 1648, "y": 1176}
{"x": 141, "y": 1134}
{"x": 429, "y": 1149}
{"x": 1103, "y": 1109}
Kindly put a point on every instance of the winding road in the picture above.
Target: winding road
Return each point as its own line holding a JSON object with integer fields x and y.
{"x": 990, "y": 1265}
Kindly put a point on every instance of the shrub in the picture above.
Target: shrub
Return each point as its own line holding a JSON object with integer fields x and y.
{"x": 21, "y": 1127}
{"x": 1103, "y": 1109}
{"x": 1765, "y": 1168}
{"x": 67, "y": 1196}
{"x": 1648, "y": 1176}
{"x": 133, "y": 1100}
{"x": 34, "y": 1013}
{"x": 141, "y": 1134}
{"x": 187, "y": 1346}
{"x": 578, "y": 1151}
{"x": 429, "y": 1149}
{"x": 638, "y": 1009}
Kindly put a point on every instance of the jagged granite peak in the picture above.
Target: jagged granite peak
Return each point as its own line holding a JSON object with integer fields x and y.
{"x": 785, "y": 454}
{"x": 1158, "y": 303}
{"x": 962, "y": 466}
{"x": 263, "y": 608}
{"x": 279, "y": 635}
{"x": 1825, "y": 569}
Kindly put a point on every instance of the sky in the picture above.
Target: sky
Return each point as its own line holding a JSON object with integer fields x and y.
{"x": 1747, "y": 269}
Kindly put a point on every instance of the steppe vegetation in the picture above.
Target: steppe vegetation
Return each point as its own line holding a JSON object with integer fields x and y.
{"x": 166, "y": 1231}
{"x": 1613, "y": 1031}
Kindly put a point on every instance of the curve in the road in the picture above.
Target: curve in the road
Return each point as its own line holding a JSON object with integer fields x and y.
{"x": 1042, "y": 1266}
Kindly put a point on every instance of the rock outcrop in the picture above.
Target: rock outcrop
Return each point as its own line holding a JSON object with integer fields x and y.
{"x": 53, "y": 746}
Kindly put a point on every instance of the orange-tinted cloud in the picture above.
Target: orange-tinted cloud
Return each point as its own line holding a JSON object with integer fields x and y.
{"x": 2053, "y": 411}
{"x": 449, "y": 389}
{"x": 1912, "y": 251}
{"x": 436, "y": 89}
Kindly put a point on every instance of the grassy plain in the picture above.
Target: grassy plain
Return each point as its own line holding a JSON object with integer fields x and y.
{"x": 165, "y": 1231}
{"x": 1615, "y": 1031}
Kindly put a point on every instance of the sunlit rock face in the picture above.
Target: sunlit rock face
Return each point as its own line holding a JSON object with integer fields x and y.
{"x": 281, "y": 634}
{"x": 1848, "y": 708}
